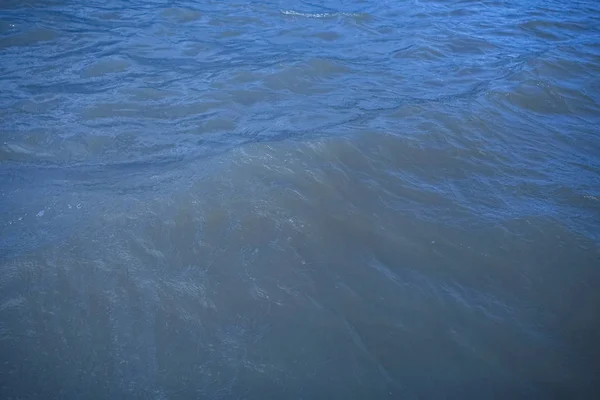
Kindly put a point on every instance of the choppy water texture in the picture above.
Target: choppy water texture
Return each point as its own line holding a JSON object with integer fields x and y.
{"x": 284, "y": 199}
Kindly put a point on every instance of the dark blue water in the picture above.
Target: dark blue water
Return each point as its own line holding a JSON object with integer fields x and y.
{"x": 328, "y": 199}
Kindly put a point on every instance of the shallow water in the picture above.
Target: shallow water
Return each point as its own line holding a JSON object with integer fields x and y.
{"x": 329, "y": 199}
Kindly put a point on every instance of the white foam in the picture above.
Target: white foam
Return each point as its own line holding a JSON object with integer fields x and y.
{"x": 318, "y": 15}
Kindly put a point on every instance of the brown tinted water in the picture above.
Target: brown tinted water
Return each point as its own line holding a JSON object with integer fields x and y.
{"x": 395, "y": 199}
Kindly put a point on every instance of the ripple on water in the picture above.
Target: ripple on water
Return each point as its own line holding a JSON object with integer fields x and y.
{"x": 331, "y": 199}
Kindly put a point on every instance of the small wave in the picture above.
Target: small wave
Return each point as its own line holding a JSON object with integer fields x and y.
{"x": 319, "y": 15}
